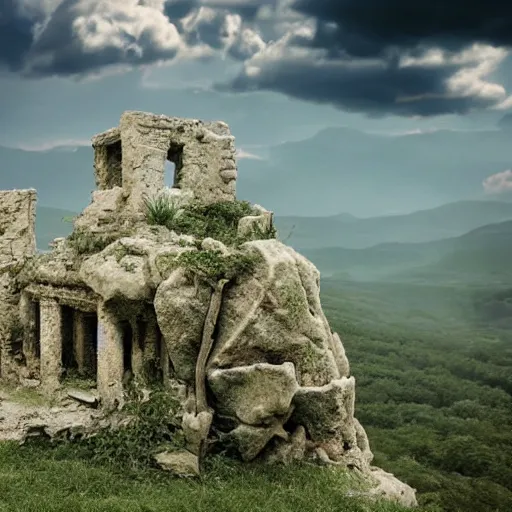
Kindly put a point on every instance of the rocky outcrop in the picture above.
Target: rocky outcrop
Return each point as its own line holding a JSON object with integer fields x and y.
{"x": 233, "y": 328}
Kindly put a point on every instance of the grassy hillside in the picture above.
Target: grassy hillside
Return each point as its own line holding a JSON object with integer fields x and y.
{"x": 446, "y": 221}
{"x": 341, "y": 169}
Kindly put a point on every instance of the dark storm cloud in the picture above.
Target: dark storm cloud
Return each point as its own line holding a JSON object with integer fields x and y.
{"x": 313, "y": 65}
{"x": 83, "y": 36}
{"x": 15, "y": 35}
{"x": 348, "y": 53}
{"x": 366, "y": 27}
{"x": 373, "y": 89}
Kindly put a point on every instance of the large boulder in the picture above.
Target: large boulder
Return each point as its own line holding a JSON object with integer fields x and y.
{"x": 254, "y": 394}
{"x": 181, "y": 306}
{"x": 274, "y": 316}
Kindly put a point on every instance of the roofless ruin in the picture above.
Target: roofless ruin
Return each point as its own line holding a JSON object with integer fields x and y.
{"x": 184, "y": 287}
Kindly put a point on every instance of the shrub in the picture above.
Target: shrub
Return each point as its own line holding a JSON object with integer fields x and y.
{"x": 85, "y": 242}
{"x": 161, "y": 210}
{"x": 153, "y": 426}
{"x": 213, "y": 265}
{"x": 217, "y": 220}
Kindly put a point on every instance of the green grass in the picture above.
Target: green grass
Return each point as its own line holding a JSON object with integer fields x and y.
{"x": 34, "y": 479}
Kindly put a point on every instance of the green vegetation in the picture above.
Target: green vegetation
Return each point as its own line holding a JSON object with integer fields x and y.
{"x": 218, "y": 220}
{"x": 213, "y": 265}
{"x": 85, "y": 242}
{"x": 152, "y": 428}
{"x": 161, "y": 211}
{"x": 36, "y": 479}
{"x": 434, "y": 385}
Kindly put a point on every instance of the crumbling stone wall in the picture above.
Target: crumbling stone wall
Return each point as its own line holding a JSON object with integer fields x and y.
{"x": 17, "y": 242}
{"x": 130, "y": 163}
{"x": 202, "y": 152}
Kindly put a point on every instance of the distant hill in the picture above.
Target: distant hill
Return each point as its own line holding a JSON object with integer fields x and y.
{"x": 52, "y": 223}
{"x": 446, "y": 221}
{"x": 62, "y": 178}
{"x": 482, "y": 255}
{"x": 341, "y": 169}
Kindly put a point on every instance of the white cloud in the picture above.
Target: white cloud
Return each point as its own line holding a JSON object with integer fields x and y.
{"x": 242, "y": 154}
{"x": 54, "y": 145}
{"x": 498, "y": 183}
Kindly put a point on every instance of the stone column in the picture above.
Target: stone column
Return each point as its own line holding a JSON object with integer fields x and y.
{"x": 110, "y": 357}
{"x": 164, "y": 361}
{"x": 137, "y": 354}
{"x": 80, "y": 340}
{"x": 150, "y": 349}
{"x": 51, "y": 344}
{"x": 28, "y": 315}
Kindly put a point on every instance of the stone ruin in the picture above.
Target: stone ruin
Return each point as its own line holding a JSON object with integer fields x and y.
{"x": 252, "y": 359}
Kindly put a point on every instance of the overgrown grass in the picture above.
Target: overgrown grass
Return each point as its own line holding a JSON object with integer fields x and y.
{"x": 152, "y": 427}
{"x": 217, "y": 220}
{"x": 85, "y": 242}
{"x": 35, "y": 479}
{"x": 161, "y": 210}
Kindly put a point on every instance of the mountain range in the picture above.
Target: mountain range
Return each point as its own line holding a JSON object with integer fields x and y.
{"x": 350, "y": 232}
{"x": 481, "y": 256}
{"x": 337, "y": 170}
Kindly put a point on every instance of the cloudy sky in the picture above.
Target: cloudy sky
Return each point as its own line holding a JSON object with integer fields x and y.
{"x": 277, "y": 71}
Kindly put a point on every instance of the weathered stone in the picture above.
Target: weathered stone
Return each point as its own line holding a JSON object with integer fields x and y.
{"x": 254, "y": 394}
{"x": 390, "y": 488}
{"x": 196, "y": 428}
{"x": 254, "y": 225}
{"x": 113, "y": 299}
{"x": 327, "y": 411}
{"x": 114, "y": 273}
{"x": 180, "y": 463}
{"x": 83, "y": 397}
{"x": 181, "y": 311}
{"x": 292, "y": 450}
{"x": 274, "y": 314}
{"x": 250, "y": 440}
{"x": 209, "y": 244}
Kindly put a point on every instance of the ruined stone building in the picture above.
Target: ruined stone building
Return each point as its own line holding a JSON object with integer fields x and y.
{"x": 228, "y": 319}
{"x": 54, "y": 322}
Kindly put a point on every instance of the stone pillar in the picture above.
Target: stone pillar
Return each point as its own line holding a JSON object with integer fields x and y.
{"x": 50, "y": 344}
{"x": 137, "y": 354}
{"x": 151, "y": 356}
{"x": 110, "y": 357}
{"x": 80, "y": 341}
{"x": 28, "y": 316}
{"x": 164, "y": 361}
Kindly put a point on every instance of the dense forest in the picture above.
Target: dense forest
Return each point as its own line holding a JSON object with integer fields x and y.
{"x": 434, "y": 385}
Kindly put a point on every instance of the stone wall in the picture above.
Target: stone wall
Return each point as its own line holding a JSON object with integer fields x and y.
{"x": 203, "y": 153}
{"x": 17, "y": 242}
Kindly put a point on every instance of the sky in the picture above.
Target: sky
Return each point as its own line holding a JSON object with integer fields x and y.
{"x": 278, "y": 72}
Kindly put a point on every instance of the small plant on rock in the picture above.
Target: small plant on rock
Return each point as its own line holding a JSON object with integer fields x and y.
{"x": 161, "y": 210}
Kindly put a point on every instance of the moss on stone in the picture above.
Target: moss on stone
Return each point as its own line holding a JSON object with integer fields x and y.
{"x": 213, "y": 265}
{"x": 87, "y": 242}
